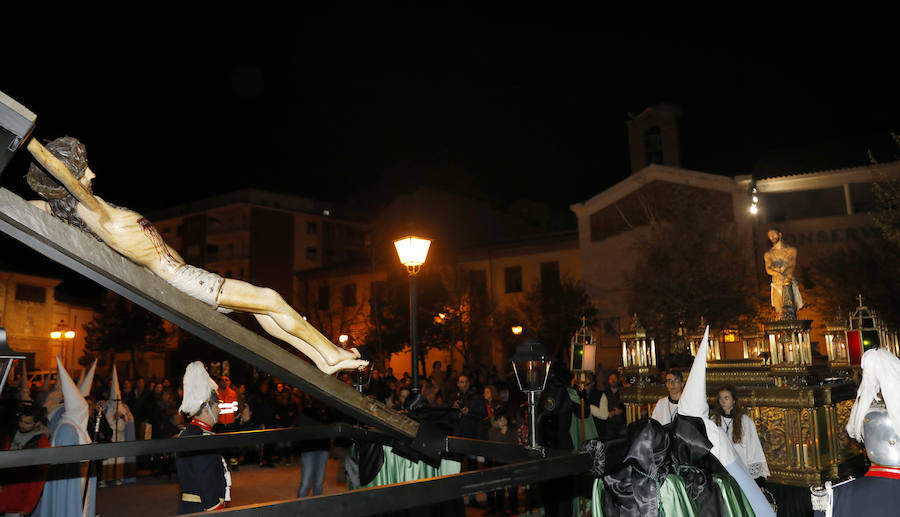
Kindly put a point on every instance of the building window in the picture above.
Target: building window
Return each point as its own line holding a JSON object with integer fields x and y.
{"x": 31, "y": 293}
{"x": 324, "y": 298}
{"x": 653, "y": 148}
{"x": 311, "y": 253}
{"x": 478, "y": 282}
{"x": 513, "y": 279}
{"x": 348, "y": 296}
{"x": 862, "y": 198}
{"x": 550, "y": 275}
{"x": 311, "y": 228}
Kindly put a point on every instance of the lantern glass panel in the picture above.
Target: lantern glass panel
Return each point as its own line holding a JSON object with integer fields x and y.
{"x": 532, "y": 375}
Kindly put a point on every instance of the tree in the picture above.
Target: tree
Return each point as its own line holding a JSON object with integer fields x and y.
{"x": 692, "y": 265}
{"x": 887, "y": 195}
{"x": 389, "y": 314}
{"x": 867, "y": 268}
{"x": 122, "y": 326}
{"x": 552, "y": 313}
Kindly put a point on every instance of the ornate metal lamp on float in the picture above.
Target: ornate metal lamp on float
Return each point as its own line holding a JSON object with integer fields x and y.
{"x": 412, "y": 252}
{"x": 867, "y": 331}
{"x": 8, "y": 358}
{"x": 715, "y": 346}
{"x": 582, "y": 361}
{"x": 790, "y": 350}
{"x": 582, "y": 354}
{"x": 836, "y": 340}
{"x": 754, "y": 344}
{"x": 638, "y": 354}
{"x": 531, "y": 364}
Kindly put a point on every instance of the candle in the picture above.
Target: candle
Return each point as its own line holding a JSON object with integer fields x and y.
{"x": 624, "y": 354}
{"x": 772, "y": 348}
{"x": 652, "y": 352}
{"x": 790, "y": 356}
{"x": 805, "y": 455}
{"x": 746, "y": 354}
{"x": 797, "y": 450}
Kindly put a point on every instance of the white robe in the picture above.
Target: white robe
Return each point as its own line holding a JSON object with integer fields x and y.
{"x": 749, "y": 449}
{"x": 664, "y": 411}
{"x": 64, "y": 488}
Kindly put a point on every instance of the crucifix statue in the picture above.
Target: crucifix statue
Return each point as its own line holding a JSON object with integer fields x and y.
{"x": 70, "y": 197}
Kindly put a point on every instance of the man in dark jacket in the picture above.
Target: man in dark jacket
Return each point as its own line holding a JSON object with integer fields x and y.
{"x": 471, "y": 411}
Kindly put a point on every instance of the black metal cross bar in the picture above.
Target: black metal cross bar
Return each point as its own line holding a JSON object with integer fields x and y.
{"x": 96, "y": 451}
{"x": 401, "y": 496}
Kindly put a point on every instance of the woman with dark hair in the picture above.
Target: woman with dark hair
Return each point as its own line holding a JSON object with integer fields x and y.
{"x": 742, "y": 431}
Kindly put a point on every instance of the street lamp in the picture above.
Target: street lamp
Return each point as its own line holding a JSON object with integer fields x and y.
{"x": 531, "y": 364}
{"x": 8, "y": 358}
{"x": 412, "y": 252}
{"x": 59, "y": 335}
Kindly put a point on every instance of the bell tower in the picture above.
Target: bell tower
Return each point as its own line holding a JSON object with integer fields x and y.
{"x": 653, "y": 137}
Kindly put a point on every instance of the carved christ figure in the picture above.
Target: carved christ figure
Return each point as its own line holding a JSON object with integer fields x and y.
{"x": 136, "y": 238}
{"x": 781, "y": 260}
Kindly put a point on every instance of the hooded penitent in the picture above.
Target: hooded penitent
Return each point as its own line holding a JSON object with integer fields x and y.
{"x": 75, "y": 410}
{"x": 199, "y": 389}
{"x": 115, "y": 402}
{"x": 84, "y": 385}
{"x": 121, "y": 422}
{"x": 69, "y": 491}
{"x": 693, "y": 403}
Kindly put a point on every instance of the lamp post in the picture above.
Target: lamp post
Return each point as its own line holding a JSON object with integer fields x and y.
{"x": 8, "y": 358}
{"x": 531, "y": 364}
{"x": 60, "y": 335}
{"x": 412, "y": 252}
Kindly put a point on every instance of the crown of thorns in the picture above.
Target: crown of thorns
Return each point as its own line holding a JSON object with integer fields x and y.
{"x": 72, "y": 153}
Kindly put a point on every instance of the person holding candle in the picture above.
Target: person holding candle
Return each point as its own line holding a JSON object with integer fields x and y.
{"x": 666, "y": 407}
{"x": 742, "y": 431}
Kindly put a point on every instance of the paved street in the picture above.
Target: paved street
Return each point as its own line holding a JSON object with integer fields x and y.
{"x": 157, "y": 496}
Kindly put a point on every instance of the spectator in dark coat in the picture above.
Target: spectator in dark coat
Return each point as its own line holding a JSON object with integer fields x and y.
{"x": 471, "y": 410}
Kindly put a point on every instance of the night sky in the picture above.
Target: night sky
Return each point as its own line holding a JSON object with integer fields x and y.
{"x": 356, "y": 106}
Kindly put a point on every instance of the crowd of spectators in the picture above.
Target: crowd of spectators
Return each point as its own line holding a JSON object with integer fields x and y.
{"x": 479, "y": 403}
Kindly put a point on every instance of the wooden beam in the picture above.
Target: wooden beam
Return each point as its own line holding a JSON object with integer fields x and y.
{"x": 84, "y": 254}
